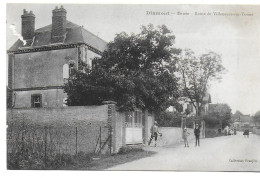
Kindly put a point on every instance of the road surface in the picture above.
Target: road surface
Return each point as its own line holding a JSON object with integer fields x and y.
{"x": 226, "y": 153}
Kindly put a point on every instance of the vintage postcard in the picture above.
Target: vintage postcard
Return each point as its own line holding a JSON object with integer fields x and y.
{"x": 133, "y": 87}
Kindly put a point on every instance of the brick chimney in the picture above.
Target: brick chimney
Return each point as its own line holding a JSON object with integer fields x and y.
{"x": 28, "y": 26}
{"x": 58, "y": 25}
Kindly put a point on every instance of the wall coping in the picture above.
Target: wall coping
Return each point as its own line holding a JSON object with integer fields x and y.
{"x": 55, "y": 108}
{"x": 109, "y": 102}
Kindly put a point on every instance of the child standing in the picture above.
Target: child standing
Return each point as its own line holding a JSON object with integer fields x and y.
{"x": 185, "y": 137}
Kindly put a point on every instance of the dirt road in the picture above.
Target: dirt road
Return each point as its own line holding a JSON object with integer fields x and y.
{"x": 227, "y": 153}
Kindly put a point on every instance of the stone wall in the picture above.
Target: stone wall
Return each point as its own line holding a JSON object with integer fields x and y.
{"x": 39, "y": 73}
{"x": 67, "y": 130}
{"x": 86, "y": 113}
{"x": 90, "y": 122}
{"x": 42, "y": 69}
{"x": 256, "y": 130}
{"x": 51, "y": 98}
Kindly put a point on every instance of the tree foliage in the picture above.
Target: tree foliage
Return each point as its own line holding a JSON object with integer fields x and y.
{"x": 196, "y": 73}
{"x": 257, "y": 116}
{"x": 169, "y": 119}
{"x": 136, "y": 71}
{"x": 218, "y": 113}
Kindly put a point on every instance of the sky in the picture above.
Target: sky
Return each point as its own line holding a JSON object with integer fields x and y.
{"x": 236, "y": 38}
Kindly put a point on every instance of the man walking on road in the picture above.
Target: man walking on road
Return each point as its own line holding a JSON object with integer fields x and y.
{"x": 154, "y": 132}
{"x": 197, "y": 134}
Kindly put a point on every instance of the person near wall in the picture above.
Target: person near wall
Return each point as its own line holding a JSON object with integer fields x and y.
{"x": 154, "y": 132}
{"x": 185, "y": 137}
{"x": 197, "y": 134}
{"x": 219, "y": 132}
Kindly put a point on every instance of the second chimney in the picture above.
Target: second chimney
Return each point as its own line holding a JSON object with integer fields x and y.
{"x": 28, "y": 26}
{"x": 58, "y": 25}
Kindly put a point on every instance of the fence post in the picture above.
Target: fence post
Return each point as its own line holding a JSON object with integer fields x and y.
{"x": 110, "y": 141}
{"x": 111, "y": 106}
{"x": 23, "y": 129}
{"x": 45, "y": 144}
{"x": 76, "y": 140}
{"x": 100, "y": 138}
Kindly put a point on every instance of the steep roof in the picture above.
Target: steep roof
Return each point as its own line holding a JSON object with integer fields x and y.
{"x": 246, "y": 118}
{"x": 243, "y": 118}
{"x": 74, "y": 34}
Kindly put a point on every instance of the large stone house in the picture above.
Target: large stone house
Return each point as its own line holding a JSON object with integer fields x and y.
{"x": 39, "y": 65}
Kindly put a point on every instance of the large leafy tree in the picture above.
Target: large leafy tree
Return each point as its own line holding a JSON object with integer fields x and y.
{"x": 169, "y": 119}
{"x": 196, "y": 73}
{"x": 219, "y": 114}
{"x": 136, "y": 71}
{"x": 237, "y": 115}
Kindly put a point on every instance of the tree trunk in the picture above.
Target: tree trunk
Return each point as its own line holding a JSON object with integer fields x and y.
{"x": 198, "y": 110}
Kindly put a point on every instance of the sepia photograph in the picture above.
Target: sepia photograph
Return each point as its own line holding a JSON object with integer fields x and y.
{"x": 133, "y": 87}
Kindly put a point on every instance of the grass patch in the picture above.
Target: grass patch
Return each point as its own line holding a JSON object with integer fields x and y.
{"x": 82, "y": 161}
{"x": 126, "y": 154}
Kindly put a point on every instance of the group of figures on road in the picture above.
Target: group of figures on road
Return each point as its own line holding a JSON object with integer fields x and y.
{"x": 196, "y": 133}
{"x": 246, "y": 133}
{"x": 155, "y": 132}
{"x": 228, "y": 131}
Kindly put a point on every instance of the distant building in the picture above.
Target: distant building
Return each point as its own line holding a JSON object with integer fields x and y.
{"x": 38, "y": 67}
{"x": 189, "y": 108}
{"x": 242, "y": 122}
{"x": 205, "y": 103}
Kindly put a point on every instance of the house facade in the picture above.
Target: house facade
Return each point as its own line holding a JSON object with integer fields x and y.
{"x": 189, "y": 109}
{"x": 242, "y": 122}
{"x": 39, "y": 65}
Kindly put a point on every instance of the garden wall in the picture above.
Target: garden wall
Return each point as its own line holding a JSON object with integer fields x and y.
{"x": 68, "y": 130}
{"x": 49, "y": 135}
{"x": 86, "y": 113}
{"x": 256, "y": 130}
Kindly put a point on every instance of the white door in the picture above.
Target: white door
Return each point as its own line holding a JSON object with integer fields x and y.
{"x": 134, "y": 132}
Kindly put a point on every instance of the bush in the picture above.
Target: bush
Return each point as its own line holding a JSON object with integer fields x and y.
{"x": 128, "y": 149}
{"x": 169, "y": 119}
{"x": 209, "y": 133}
{"x": 211, "y": 122}
{"x": 18, "y": 161}
{"x": 82, "y": 157}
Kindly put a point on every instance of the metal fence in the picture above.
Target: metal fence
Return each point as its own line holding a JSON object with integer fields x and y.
{"x": 46, "y": 139}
